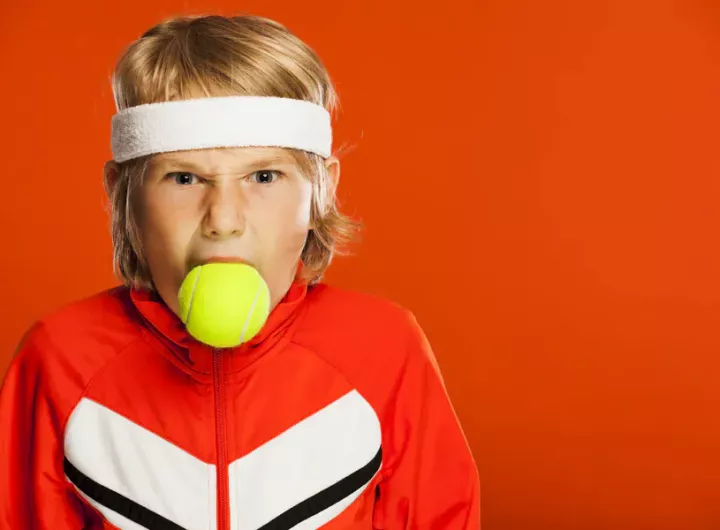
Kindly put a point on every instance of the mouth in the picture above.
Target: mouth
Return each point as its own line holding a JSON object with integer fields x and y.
{"x": 222, "y": 259}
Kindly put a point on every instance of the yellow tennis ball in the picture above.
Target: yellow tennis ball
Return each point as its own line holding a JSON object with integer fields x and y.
{"x": 224, "y": 304}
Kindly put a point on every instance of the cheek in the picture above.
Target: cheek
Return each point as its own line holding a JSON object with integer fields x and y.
{"x": 164, "y": 229}
{"x": 291, "y": 217}
{"x": 302, "y": 211}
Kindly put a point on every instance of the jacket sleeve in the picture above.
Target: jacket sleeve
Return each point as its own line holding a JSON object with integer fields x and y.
{"x": 429, "y": 477}
{"x": 34, "y": 493}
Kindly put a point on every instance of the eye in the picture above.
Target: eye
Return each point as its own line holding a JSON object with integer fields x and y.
{"x": 265, "y": 176}
{"x": 183, "y": 178}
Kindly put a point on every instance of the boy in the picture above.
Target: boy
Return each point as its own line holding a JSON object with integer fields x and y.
{"x": 333, "y": 416}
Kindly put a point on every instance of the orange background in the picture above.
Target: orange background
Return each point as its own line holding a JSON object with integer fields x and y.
{"x": 539, "y": 183}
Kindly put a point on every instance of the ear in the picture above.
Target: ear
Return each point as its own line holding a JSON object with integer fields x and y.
{"x": 111, "y": 172}
{"x": 332, "y": 165}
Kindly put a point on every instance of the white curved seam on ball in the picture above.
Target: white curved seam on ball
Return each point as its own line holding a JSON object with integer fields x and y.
{"x": 252, "y": 308}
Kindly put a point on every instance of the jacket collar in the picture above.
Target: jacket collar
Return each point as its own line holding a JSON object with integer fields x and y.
{"x": 166, "y": 326}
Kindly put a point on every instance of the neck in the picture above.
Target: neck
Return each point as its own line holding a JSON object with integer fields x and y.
{"x": 283, "y": 284}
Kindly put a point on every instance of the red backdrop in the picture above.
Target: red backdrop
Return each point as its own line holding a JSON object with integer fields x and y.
{"x": 539, "y": 184}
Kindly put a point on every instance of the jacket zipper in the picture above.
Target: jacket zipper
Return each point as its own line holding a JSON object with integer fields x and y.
{"x": 223, "y": 515}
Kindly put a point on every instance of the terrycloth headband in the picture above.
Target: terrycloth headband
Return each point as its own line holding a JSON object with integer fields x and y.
{"x": 237, "y": 121}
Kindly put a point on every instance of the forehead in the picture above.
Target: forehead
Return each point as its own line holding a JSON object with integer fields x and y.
{"x": 224, "y": 159}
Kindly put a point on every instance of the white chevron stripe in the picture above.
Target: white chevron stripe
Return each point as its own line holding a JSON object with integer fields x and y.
{"x": 141, "y": 466}
{"x": 304, "y": 460}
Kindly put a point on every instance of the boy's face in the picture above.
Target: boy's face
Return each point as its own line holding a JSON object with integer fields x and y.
{"x": 247, "y": 204}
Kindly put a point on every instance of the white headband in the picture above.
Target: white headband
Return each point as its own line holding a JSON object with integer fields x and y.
{"x": 237, "y": 121}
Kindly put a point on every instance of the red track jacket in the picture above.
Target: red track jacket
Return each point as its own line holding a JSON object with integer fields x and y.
{"x": 334, "y": 417}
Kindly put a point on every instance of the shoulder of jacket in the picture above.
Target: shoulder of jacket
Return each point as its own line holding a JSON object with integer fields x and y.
{"x": 357, "y": 331}
{"x": 330, "y": 303}
{"x": 83, "y": 334}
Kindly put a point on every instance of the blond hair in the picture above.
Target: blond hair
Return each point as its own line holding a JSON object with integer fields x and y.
{"x": 206, "y": 56}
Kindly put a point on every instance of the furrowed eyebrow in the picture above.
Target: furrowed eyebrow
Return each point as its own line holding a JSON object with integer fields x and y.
{"x": 171, "y": 163}
{"x": 265, "y": 163}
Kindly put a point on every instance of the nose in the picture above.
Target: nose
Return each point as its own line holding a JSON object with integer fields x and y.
{"x": 224, "y": 215}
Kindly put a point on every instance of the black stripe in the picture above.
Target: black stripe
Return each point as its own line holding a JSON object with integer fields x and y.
{"x": 326, "y": 498}
{"x": 116, "y": 502}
